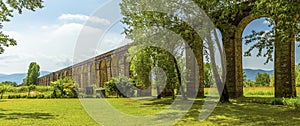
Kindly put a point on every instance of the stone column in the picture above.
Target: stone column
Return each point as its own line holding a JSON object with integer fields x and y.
{"x": 109, "y": 69}
{"x": 89, "y": 72}
{"x": 126, "y": 67}
{"x": 233, "y": 50}
{"x": 284, "y": 65}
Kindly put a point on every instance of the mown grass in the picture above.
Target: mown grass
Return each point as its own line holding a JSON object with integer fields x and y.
{"x": 57, "y": 112}
{"x": 254, "y": 109}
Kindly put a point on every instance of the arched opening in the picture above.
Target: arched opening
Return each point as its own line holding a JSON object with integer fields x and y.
{"x": 258, "y": 57}
{"x": 93, "y": 74}
{"x": 209, "y": 80}
{"x": 103, "y": 73}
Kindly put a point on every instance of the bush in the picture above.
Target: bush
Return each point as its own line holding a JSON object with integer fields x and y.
{"x": 120, "y": 86}
{"x": 40, "y": 96}
{"x": 14, "y": 96}
{"x": 64, "y": 88}
{"x": 277, "y": 101}
{"x": 294, "y": 102}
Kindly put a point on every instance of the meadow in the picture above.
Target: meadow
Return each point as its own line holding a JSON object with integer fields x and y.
{"x": 56, "y": 112}
{"x": 256, "y": 108}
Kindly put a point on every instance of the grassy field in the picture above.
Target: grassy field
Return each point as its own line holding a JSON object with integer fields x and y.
{"x": 19, "y": 112}
{"x": 254, "y": 91}
{"x": 15, "y": 112}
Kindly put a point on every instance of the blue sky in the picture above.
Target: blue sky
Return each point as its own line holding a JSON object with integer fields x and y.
{"x": 49, "y": 35}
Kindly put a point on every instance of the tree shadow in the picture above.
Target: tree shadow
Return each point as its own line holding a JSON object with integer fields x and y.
{"x": 35, "y": 115}
{"x": 246, "y": 111}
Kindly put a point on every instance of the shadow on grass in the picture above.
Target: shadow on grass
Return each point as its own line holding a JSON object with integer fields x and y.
{"x": 35, "y": 115}
{"x": 245, "y": 111}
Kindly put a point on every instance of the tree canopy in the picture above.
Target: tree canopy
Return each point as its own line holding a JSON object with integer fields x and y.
{"x": 32, "y": 74}
{"x": 7, "y": 9}
{"x": 183, "y": 18}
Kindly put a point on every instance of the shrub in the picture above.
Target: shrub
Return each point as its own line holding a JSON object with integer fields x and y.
{"x": 277, "y": 101}
{"x": 4, "y": 88}
{"x": 64, "y": 88}
{"x": 120, "y": 86}
{"x": 21, "y": 89}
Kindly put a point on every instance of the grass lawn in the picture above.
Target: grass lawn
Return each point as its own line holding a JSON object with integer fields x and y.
{"x": 71, "y": 113}
{"x": 19, "y": 112}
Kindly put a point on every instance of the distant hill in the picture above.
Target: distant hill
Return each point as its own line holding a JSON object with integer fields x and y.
{"x": 18, "y": 77}
{"x": 251, "y": 73}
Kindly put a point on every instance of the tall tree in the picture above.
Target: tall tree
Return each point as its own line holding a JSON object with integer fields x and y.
{"x": 136, "y": 18}
{"x": 32, "y": 74}
{"x": 7, "y": 8}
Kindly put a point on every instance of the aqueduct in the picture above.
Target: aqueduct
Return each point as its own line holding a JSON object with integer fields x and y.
{"x": 100, "y": 69}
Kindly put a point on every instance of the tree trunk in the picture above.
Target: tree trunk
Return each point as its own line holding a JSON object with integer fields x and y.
{"x": 224, "y": 96}
{"x": 158, "y": 92}
{"x": 179, "y": 79}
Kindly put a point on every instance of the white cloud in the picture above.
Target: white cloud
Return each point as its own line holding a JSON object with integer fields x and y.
{"x": 54, "y": 46}
{"x": 266, "y": 22}
{"x": 92, "y": 19}
{"x": 51, "y": 46}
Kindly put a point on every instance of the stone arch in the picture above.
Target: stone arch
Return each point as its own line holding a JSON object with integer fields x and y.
{"x": 242, "y": 27}
{"x": 284, "y": 74}
{"x": 103, "y": 73}
{"x": 92, "y": 72}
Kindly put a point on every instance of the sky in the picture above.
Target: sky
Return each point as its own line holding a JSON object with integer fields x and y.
{"x": 51, "y": 35}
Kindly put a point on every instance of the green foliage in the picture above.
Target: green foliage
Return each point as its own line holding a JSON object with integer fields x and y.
{"x": 7, "y": 8}
{"x": 152, "y": 57}
{"x": 297, "y": 74}
{"x": 4, "y": 88}
{"x": 249, "y": 83}
{"x": 208, "y": 75}
{"x": 31, "y": 87}
{"x": 14, "y": 84}
{"x": 284, "y": 18}
{"x": 120, "y": 86}
{"x": 32, "y": 74}
{"x": 262, "y": 80}
{"x": 64, "y": 88}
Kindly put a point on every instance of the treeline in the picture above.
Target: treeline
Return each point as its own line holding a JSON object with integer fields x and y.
{"x": 266, "y": 80}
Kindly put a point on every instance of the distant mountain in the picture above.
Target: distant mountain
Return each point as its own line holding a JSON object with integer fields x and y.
{"x": 251, "y": 73}
{"x": 18, "y": 77}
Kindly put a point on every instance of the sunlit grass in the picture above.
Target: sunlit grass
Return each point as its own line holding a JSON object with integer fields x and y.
{"x": 41, "y": 112}
{"x": 57, "y": 112}
{"x": 253, "y": 91}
